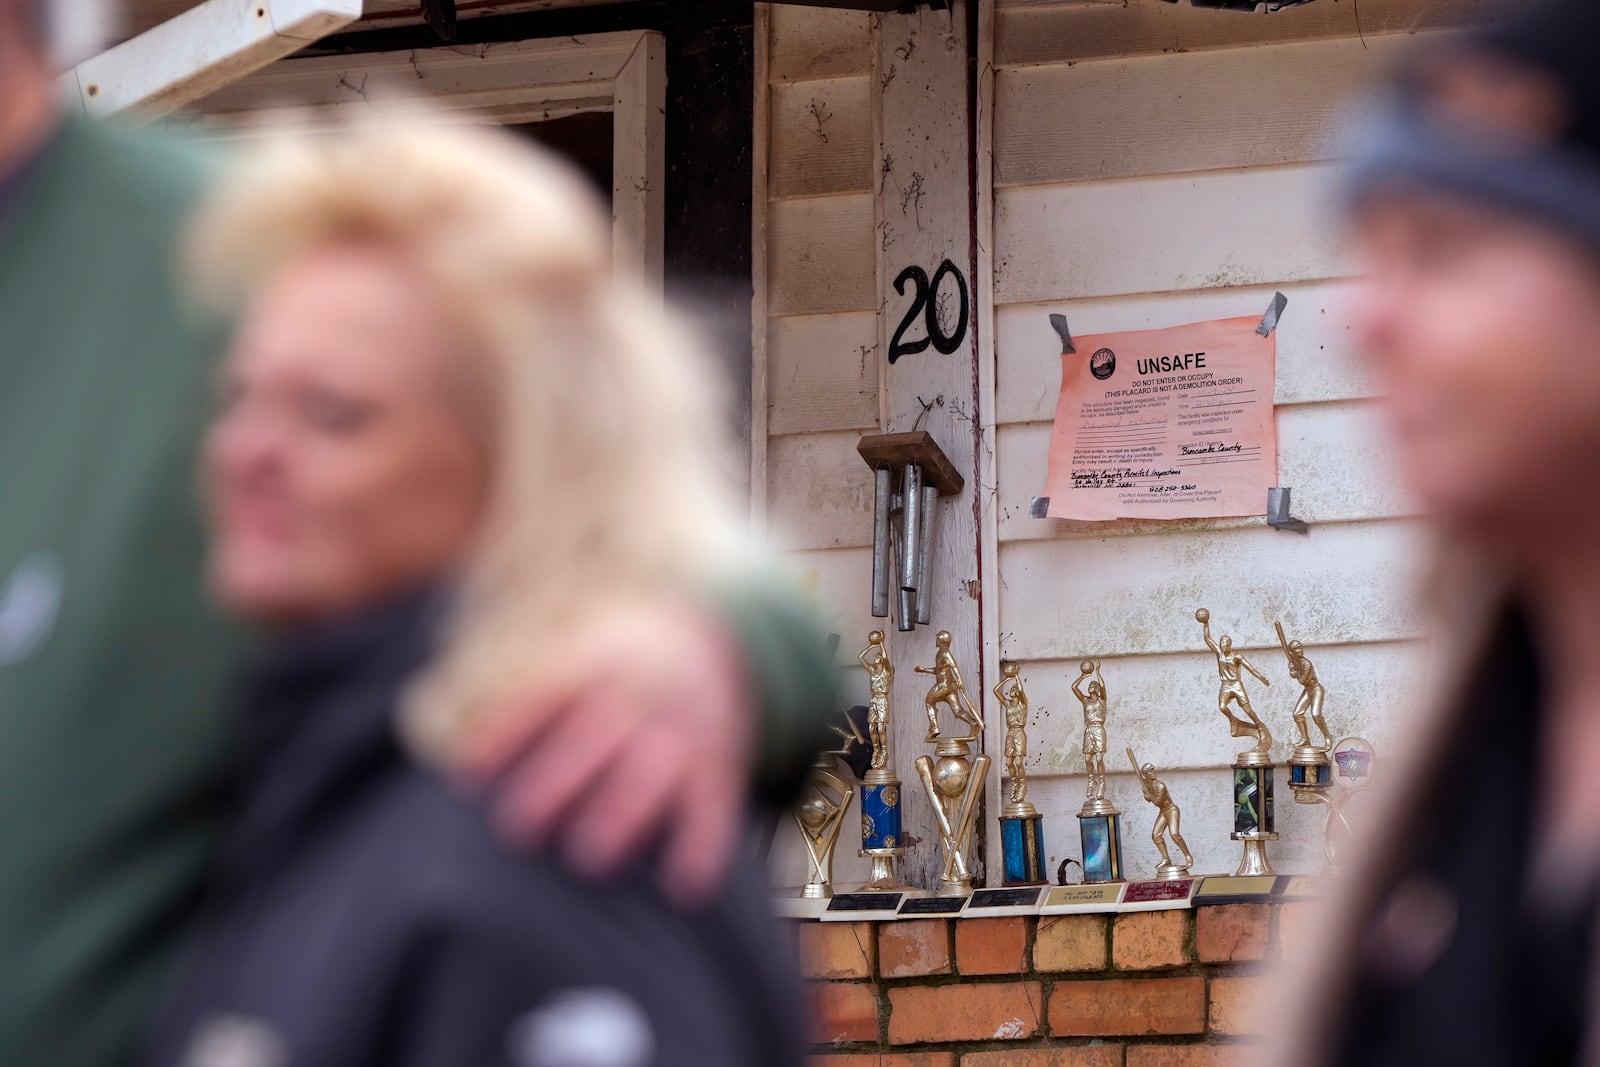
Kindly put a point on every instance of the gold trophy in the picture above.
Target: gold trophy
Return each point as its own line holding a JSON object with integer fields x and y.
{"x": 880, "y": 789}
{"x": 1168, "y": 821}
{"x": 1310, "y": 768}
{"x": 1099, "y": 821}
{"x": 1253, "y": 816}
{"x": 819, "y": 815}
{"x": 1021, "y": 825}
{"x": 953, "y": 782}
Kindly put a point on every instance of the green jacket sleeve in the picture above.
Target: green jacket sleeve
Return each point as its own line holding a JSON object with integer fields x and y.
{"x": 795, "y": 683}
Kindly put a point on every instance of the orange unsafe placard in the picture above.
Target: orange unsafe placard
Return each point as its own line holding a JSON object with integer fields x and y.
{"x": 1165, "y": 424}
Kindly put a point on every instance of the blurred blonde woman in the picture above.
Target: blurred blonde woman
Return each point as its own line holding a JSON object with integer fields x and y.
{"x": 446, "y": 435}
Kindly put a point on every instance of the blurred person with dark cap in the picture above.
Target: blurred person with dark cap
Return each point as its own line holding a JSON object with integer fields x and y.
{"x": 117, "y": 752}
{"x": 1467, "y": 931}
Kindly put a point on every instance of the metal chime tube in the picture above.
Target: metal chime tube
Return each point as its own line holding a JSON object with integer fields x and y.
{"x": 930, "y": 503}
{"x": 882, "y": 564}
{"x": 910, "y": 542}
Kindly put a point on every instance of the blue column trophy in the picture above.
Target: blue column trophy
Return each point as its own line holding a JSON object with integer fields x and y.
{"x": 880, "y": 789}
{"x": 1099, "y": 821}
{"x": 1021, "y": 825}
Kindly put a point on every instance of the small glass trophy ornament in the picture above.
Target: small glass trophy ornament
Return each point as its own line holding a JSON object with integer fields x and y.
{"x": 1354, "y": 759}
{"x": 1253, "y": 816}
{"x": 880, "y": 789}
{"x": 954, "y": 780}
{"x": 820, "y": 814}
{"x": 1099, "y": 821}
{"x": 910, "y": 472}
{"x": 1021, "y": 825}
{"x": 1168, "y": 821}
{"x": 1310, "y": 768}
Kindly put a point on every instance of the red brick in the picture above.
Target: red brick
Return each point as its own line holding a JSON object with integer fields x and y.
{"x": 837, "y": 950}
{"x": 1228, "y": 933}
{"x": 1070, "y": 943}
{"x": 1088, "y": 1056}
{"x": 1129, "y": 1006}
{"x": 1187, "y": 1055}
{"x": 1236, "y": 1005}
{"x": 914, "y": 948}
{"x": 989, "y": 1012}
{"x": 992, "y": 946}
{"x": 1298, "y": 925}
{"x": 844, "y": 1011}
{"x": 884, "y": 1059}
{"x": 1146, "y": 940}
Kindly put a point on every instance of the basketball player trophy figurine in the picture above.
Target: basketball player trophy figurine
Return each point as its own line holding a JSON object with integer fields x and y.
{"x": 820, "y": 814}
{"x": 880, "y": 789}
{"x": 1253, "y": 817}
{"x": 1099, "y": 821}
{"x": 1168, "y": 821}
{"x": 953, "y": 781}
{"x": 1021, "y": 832}
{"x": 1310, "y": 767}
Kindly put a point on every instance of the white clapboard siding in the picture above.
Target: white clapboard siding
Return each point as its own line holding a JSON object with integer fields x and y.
{"x": 1316, "y": 352}
{"x": 1166, "y": 706}
{"x": 819, "y": 492}
{"x": 1168, "y": 114}
{"x": 815, "y": 42}
{"x": 1074, "y": 31}
{"x": 1333, "y": 456}
{"x": 1138, "y": 594}
{"x": 837, "y": 585}
{"x": 823, "y": 373}
{"x": 820, "y": 255}
{"x": 821, "y": 138}
{"x": 1267, "y": 225}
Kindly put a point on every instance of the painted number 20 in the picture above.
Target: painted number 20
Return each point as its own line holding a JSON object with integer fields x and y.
{"x": 925, "y": 301}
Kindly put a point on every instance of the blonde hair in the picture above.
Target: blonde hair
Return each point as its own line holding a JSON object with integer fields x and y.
{"x": 605, "y": 427}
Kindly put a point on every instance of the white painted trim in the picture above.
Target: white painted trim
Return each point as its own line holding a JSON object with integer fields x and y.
{"x": 195, "y": 52}
{"x": 519, "y": 81}
{"x": 761, "y": 138}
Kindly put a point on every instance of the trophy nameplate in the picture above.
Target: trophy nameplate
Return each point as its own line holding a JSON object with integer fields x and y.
{"x": 936, "y": 907}
{"x": 1160, "y": 895}
{"x": 1004, "y": 902}
{"x": 1238, "y": 889}
{"x": 862, "y": 907}
{"x": 1077, "y": 899}
{"x": 1301, "y": 887}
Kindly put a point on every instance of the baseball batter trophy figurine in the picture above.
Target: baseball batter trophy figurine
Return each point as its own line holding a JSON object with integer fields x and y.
{"x": 1310, "y": 766}
{"x": 820, "y": 814}
{"x": 1168, "y": 821}
{"x": 880, "y": 789}
{"x": 1099, "y": 821}
{"x": 1254, "y": 821}
{"x": 1021, "y": 832}
{"x": 953, "y": 781}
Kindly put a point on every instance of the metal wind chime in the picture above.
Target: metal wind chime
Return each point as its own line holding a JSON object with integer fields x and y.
{"x": 910, "y": 473}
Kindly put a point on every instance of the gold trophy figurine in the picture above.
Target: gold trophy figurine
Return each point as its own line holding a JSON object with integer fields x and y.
{"x": 1230, "y": 668}
{"x": 1310, "y": 767}
{"x": 948, "y": 688}
{"x": 820, "y": 814}
{"x": 953, "y": 781}
{"x": 880, "y": 790}
{"x": 1168, "y": 821}
{"x": 1099, "y": 821}
{"x": 1021, "y": 826}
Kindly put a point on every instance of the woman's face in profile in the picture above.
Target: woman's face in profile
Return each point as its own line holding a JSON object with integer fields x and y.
{"x": 342, "y": 467}
{"x": 1482, "y": 331}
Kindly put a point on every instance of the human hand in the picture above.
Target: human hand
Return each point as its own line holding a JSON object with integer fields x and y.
{"x": 647, "y": 737}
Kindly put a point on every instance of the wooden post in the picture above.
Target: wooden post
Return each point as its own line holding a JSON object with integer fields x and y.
{"x": 924, "y": 235}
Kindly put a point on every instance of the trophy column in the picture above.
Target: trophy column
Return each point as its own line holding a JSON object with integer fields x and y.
{"x": 954, "y": 781}
{"x": 1021, "y": 825}
{"x": 880, "y": 789}
{"x": 1099, "y": 821}
{"x": 1253, "y": 816}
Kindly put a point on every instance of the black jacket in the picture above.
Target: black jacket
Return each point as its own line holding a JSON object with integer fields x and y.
{"x": 365, "y": 917}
